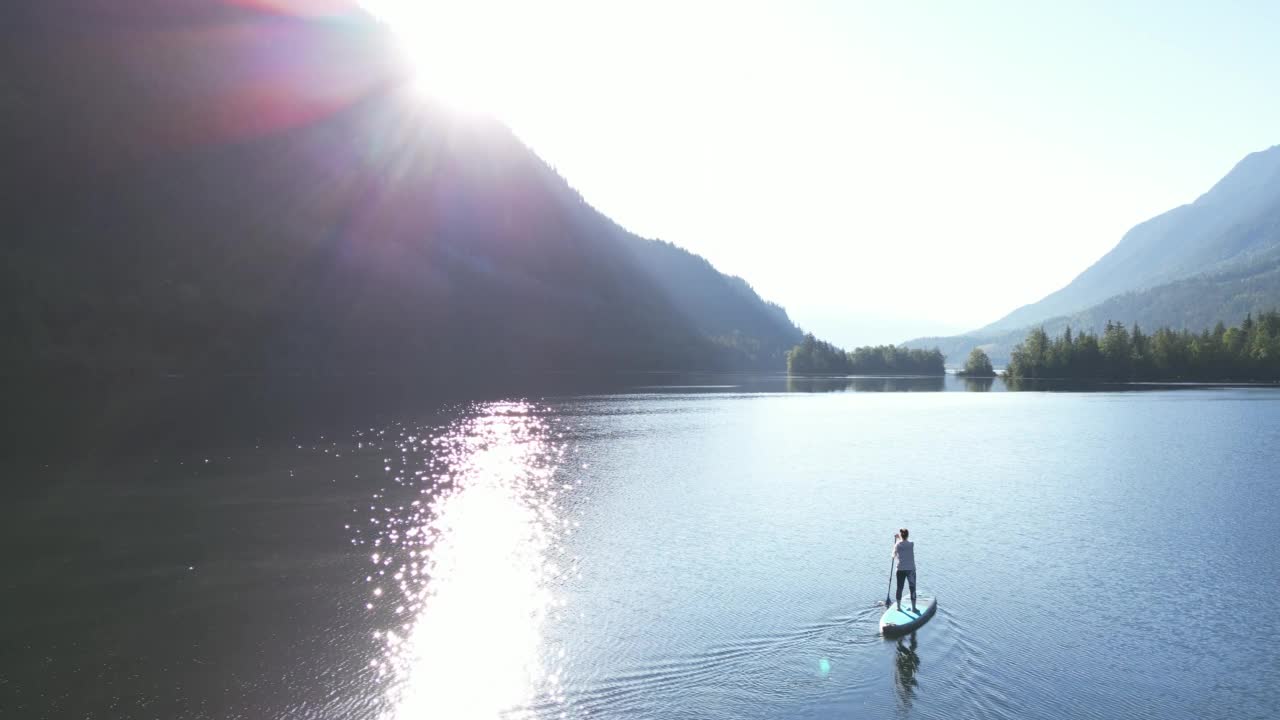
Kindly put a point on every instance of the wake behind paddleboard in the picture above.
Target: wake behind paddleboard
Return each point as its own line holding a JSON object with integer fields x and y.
{"x": 897, "y": 622}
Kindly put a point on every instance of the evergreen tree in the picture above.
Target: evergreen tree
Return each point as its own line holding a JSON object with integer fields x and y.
{"x": 813, "y": 356}
{"x": 978, "y": 365}
{"x": 1116, "y": 350}
{"x": 1248, "y": 352}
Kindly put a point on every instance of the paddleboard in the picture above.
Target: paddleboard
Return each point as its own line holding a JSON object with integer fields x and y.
{"x": 897, "y": 622}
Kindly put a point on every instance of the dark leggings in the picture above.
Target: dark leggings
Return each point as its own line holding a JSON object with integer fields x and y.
{"x": 904, "y": 576}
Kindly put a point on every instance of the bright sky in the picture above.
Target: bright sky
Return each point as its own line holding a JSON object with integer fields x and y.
{"x": 883, "y": 170}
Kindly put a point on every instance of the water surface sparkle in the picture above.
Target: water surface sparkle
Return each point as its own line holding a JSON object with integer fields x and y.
{"x": 463, "y": 573}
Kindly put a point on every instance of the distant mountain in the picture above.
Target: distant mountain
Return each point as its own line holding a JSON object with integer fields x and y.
{"x": 1220, "y": 227}
{"x": 201, "y": 187}
{"x": 1196, "y": 303}
{"x": 1214, "y": 260}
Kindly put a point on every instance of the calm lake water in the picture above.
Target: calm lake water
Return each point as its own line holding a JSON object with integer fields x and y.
{"x": 712, "y": 550}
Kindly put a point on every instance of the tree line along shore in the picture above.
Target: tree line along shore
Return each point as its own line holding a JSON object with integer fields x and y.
{"x": 1247, "y": 352}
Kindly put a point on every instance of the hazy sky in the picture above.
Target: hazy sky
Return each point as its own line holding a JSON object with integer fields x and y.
{"x": 883, "y": 170}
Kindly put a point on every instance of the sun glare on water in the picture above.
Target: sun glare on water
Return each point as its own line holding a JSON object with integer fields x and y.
{"x": 463, "y": 577}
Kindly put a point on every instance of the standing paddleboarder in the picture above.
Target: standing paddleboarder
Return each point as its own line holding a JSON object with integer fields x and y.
{"x": 904, "y": 551}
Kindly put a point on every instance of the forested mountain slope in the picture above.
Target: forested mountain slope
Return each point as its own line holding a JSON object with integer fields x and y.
{"x": 200, "y": 186}
{"x": 1233, "y": 220}
{"x": 1213, "y": 261}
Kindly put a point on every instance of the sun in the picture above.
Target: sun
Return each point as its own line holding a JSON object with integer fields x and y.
{"x": 465, "y": 53}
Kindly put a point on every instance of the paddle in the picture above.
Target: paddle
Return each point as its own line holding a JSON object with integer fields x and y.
{"x": 890, "y": 588}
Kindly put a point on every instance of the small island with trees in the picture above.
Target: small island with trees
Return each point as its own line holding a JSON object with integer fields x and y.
{"x": 815, "y": 357}
{"x": 1250, "y": 352}
{"x": 977, "y": 366}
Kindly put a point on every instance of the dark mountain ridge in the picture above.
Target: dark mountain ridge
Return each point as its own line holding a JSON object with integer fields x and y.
{"x": 316, "y": 214}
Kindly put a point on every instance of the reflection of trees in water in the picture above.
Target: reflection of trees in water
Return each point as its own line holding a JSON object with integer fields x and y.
{"x": 1083, "y": 386}
{"x": 978, "y": 384}
{"x": 900, "y": 384}
{"x": 906, "y": 663}
{"x": 866, "y": 384}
